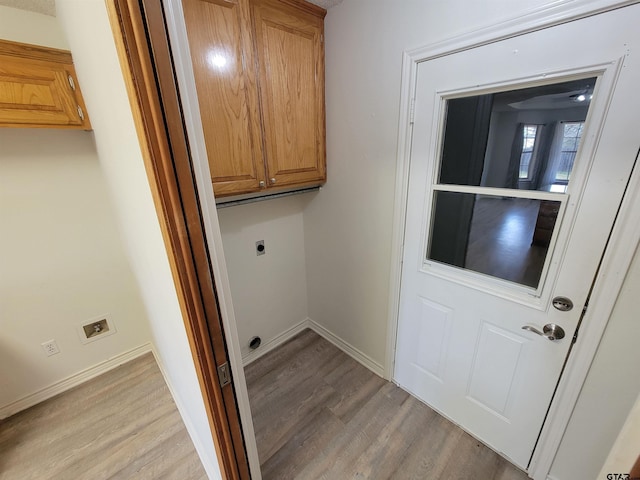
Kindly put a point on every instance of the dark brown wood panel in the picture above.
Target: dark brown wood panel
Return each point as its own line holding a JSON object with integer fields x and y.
{"x": 144, "y": 49}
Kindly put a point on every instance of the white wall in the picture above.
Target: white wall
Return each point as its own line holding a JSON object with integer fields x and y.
{"x": 348, "y": 224}
{"x": 624, "y": 453}
{"x": 608, "y": 395}
{"x": 269, "y": 291}
{"x": 86, "y": 25}
{"x": 62, "y": 261}
{"x": 29, "y": 27}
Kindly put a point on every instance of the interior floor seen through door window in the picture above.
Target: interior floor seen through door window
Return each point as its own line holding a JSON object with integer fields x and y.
{"x": 508, "y": 240}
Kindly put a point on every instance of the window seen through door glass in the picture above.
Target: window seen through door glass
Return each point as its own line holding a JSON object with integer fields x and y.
{"x": 529, "y": 136}
{"x": 523, "y": 139}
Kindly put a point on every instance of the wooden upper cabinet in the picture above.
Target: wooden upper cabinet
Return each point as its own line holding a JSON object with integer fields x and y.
{"x": 223, "y": 63}
{"x": 289, "y": 40}
{"x": 259, "y": 71}
{"x": 39, "y": 88}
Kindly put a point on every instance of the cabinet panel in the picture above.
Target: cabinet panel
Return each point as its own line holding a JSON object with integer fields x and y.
{"x": 291, "y": 74}
{"x": 224, "y": 68}
{"x": 36, "y": 91}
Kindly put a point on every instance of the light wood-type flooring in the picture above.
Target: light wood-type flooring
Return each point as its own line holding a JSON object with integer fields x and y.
{"x": 318, "y": 414}
{"x": 120, "y": 425}
{"x": 500, "y": 240}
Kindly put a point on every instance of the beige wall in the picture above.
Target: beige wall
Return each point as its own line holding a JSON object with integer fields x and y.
{"x": 624, "y": 453}
{"x": 29, "y": 27}
{"x": 348, "y": 224}
{"x": 269, "y": 291}
{"x": 86, "y": 25}
{"x": 64, "y": 197}
{"x": 608, "y": 395}
{"x": 62, "y": 260}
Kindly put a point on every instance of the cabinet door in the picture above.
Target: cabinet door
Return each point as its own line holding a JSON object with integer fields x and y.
{"x": 289, "y": 41}
{"x": 224, "y": 68}
{"x": 35, "y": 93}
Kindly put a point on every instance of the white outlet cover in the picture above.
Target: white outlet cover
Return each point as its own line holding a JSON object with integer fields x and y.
{"x": 83, "y": 338}
{"x": 50, "y": 347}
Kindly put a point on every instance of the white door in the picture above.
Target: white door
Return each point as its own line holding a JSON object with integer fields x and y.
{"x": 521, "y": 151}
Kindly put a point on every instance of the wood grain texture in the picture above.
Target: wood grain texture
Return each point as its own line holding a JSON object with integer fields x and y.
{"x": 120, "y": 425}
{"x": 35, "y": 91}
{"x": 35, "y": 52}
{"x": 318, "y": 414}
{"x": 289, "y": 42}
{"x": 225, "y": 75}
{"x": 143, "y": 48}
{"x": 500, "y": 240}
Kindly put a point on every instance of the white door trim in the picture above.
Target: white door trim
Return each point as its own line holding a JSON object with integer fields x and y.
{"x": 189, "y": 99}
{"x": 620, "y": 250}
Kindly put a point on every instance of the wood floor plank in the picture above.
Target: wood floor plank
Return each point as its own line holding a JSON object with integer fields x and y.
{"x": 288, "y": 414}
{"x": 120, "y": 425}
{"x": 382, "y": 459}
{"x": 305, "y": 443}
{"x": 353, "y": 441}
{"x": 319, "y": 414}
{"x": 354, "y": 384}
{"x": 285, "y": 369}
{"x": 439, "y": 440}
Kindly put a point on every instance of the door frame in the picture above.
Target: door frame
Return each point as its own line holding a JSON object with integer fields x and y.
{"x": 625, "y": 235}
{"x": 197, "y": 264}
{"x": 186, "y": 83}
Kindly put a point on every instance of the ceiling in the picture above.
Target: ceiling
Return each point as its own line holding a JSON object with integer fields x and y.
{"x": 326, "y": 3}
{"x": 48, "y": 7}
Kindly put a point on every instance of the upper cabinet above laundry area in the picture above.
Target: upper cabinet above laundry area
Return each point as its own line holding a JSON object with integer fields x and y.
{"x": 259, "y": 74}
{"x": 39, "y": 88}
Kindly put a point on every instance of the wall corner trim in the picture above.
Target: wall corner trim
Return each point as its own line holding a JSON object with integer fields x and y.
{"x": 347, "y": 348}
{"x": 71, "y": 381}
{"x": 210, "y": 468}
{"x": 308, "y": 323}
{"x": 275, "y": 342}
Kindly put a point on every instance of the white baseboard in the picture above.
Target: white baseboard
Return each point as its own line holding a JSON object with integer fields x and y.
{"x": 72, "y": 381}
{"x": 206, "y": 456}
{"x": 275, "y": 342}
{"x": 347, "y": 348}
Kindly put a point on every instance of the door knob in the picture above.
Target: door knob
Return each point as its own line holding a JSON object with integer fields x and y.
{"x": 550, "y": 331}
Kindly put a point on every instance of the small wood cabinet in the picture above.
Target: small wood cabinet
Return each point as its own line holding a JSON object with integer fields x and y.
{"x": 259, "y": 71}
{"x": 39, "y": 88}
{"x": 545, "y": 223}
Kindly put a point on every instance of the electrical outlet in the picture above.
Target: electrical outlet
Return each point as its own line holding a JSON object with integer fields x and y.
{"x": 260, "y": 247}
{"x": 96, "y": 328}
{"x": 50, "y": 347}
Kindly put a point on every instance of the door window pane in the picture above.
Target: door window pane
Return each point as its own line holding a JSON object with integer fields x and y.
{"x": 523, "y": 139}
{"x": 504, "y": 237}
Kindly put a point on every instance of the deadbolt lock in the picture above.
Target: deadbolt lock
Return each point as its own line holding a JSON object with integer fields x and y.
{"x": 563, "y": 304}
